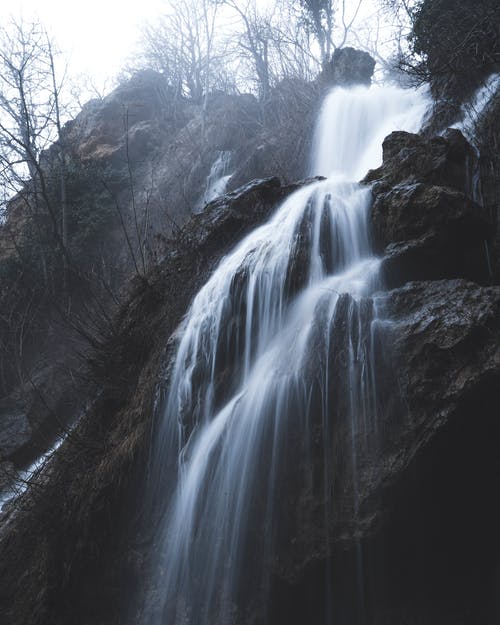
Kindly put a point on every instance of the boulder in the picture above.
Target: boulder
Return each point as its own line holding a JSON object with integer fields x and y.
{"x": 439, "y": 345}
{"x": 424, "y": 218}
{"x": 429, "y": 232}
{"x": 446, "y": 160}
{"x": 347, "y": 67}
{"x": 410, "y": 211}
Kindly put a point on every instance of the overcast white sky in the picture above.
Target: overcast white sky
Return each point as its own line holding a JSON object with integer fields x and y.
{"x": 96, "y": 35}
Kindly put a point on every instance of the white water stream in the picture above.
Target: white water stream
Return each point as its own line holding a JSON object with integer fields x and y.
{"x": 217, "y": 179}
{"x": 255, "y": 371}
{"x": 478, "y": 105}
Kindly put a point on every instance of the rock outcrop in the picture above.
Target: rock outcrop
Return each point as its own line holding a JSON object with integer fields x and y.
{"x": 348, "y": 67}
{"x": 419, "y": 469}
{"x": 488, "y": 142}
{"x": 436, "y": 371}
{"x": 425, "y": 220}
{"x": 71, "y": 527}
{"x": 137, "y": 164}
{"x": 414, "y": 537}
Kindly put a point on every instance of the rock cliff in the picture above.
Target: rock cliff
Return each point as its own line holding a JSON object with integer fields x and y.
{"x": 418, "y": 541}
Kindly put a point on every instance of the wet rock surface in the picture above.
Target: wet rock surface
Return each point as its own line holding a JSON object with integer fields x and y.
{"x": 424, "y": 217}
{"x": 100, "y": 467}
{"x": 441, "y": 349}
{"x": 410, "y": 211}
{"x": 445, "y": 160}
{"x": 415, "y": 506}
{"x": 488, "y": 141}
{"x": 446, "y": 345}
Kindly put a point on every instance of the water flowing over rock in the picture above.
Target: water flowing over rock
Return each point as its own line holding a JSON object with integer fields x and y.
{"x": 277, "y": 438}
{"x": 275, "y": 362}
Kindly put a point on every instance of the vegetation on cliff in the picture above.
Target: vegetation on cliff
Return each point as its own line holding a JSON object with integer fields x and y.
{"x": 89, "y": 310}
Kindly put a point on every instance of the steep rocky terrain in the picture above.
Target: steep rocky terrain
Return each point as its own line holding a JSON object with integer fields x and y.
{"x": 44, "y": 549}
{"x": 137, "y": 162}
{"x": 421, "y": 534}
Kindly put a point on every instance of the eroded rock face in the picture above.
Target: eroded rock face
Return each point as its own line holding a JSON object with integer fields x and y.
{"x": 429, "y": 232}
{"x": 445, "y": 160}
{"x": 410, "y": 211}
{"x": 446, "y": 344}
{"x": 437, "y": 370}
{"x": 424, "y": 217}
{"x": 488, "y": 140}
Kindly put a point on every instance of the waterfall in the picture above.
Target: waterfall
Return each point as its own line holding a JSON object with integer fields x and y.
{"x": 275, "y": 354}
{"x": 217, "y": 179}
{"x": 473, "y": 110}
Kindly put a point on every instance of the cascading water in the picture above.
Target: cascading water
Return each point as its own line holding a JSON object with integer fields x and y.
{"x": 217, "y": 179}
{"x": 275, "y": 349}
{"x": 476, "y": 107}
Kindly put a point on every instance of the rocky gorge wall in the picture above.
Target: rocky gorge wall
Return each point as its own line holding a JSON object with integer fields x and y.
{"x": 422, "y": 545}
{"x": 137, "y": 165}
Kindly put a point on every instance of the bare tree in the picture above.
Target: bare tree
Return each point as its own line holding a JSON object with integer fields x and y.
{"x": 330, "y": 22}
{"x": 181, "y": 45}
{"x": 319, "y": 16}
{"x": 255, "y": 40}
{"x": 271, "y": 44}
{"x": 30, "y": 121}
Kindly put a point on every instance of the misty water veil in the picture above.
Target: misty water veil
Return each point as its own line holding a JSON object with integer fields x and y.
{"x": 274, "y": 347}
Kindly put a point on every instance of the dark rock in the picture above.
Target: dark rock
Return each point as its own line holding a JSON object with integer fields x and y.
{"x": 409, "y": 211}
{"x": 443, "y": 114}
{"x": 446, "y": 345}
{"x": 349, "y": 66}
{"x": 441, "y": 345}
{"x": 233, "y": 213}
{"x": 488, "y": 142}
{"x": 423, "y": 218}
{"x": 428, "y": 232}
{"x": 7, "y": 474}
{"x": 441, "y": 350}
{"x": 298, "y": 267}
{"x": 446, "y": 160}
{"x": 15, "y": 429}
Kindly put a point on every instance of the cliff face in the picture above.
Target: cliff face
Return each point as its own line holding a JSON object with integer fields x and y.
{"x": 424, "y": 520}
{"x": 412, "y": 538}
{"x": 72, "y": 539}
{"x": 137, "y": 165}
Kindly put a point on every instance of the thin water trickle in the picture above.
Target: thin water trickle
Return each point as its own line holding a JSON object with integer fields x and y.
{"x": 275, "y": 345}
{"x": 473, "y": 110}
{"x": 218, "y": 178}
